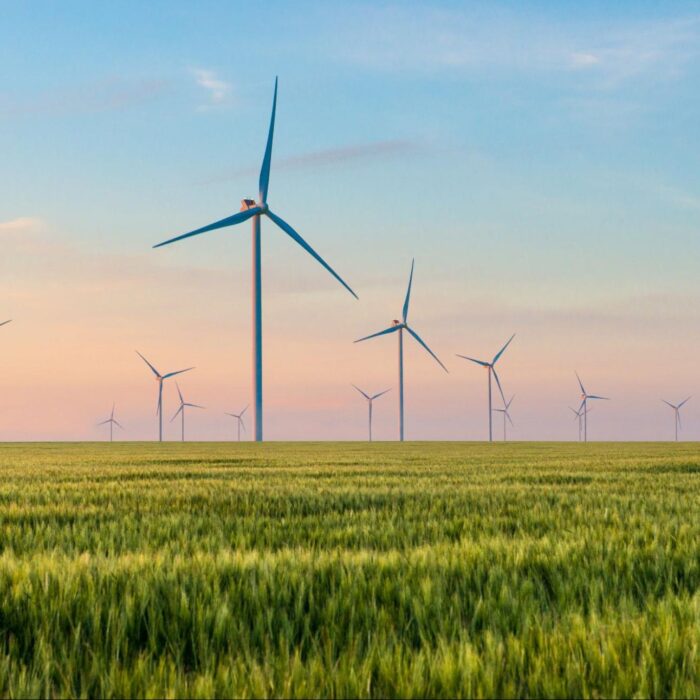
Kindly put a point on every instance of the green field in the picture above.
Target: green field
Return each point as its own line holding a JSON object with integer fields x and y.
{"x": 426, "y": 569}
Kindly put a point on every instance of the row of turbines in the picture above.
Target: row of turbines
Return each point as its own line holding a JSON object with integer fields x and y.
{"x": 254, "y": 211}
{"x": 580, "y": 414}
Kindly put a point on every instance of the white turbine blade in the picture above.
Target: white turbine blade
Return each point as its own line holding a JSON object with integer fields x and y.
{"x": 180, "y": 371}
{"x": 408, "y": 293}
{"x": 678, "y": 418}
{"x": 118, "y": 424}
{"x": 510, "y": 402}
{"x": 265, "y": 169}
{"x": 510, "y": 419}
{"x": 502, "y": 350}
{"x": 179, "y": 393}
{"x": 178, "y": 412}
{"x": 498, "y": 383}
{"x": 233, "y": 415}
{"x": 295, "y": 236}
{"x": 240, "y": 420}
{"x": 593, "y": 396}
{"x": 238, "y": 218}
{"x": 111, "y": 415}
{"x": 381, "y": 393}
{"x": 575, "y": 412}
{"x": 669, "y": 404}
{"x": 104, "y": 422}
{"x": 362, "y": 392}
{"x": 243, "y": 411}
{"x": 391, "y": 329}
{"x": 193, "y": 405}
{"x": 580, "y": 383}
{"x": 153, "y": 369}
{"x": 686, "y": 400}
{"x": 5, "y": 322}
{"x": 418, "y": 338}
{"x": 471, "y": 359}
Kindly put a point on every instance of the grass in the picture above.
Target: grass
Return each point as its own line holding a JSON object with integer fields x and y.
{"x": 428, "y": 569}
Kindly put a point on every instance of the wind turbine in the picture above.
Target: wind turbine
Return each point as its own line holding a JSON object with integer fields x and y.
{"x": 491, "y": 367}
{"x": 181, "y": 410}
{"x": 584, "y": 406}
{"x": 112, "y": 422}
{"x": 399, "y": 327}
{"x": 579, "y": 414}
{"x": 254, "y": 210}
{"x": 370, "y": 399}
{"x": 677, "y": 411}
{"x": 505, "y": 413}
{"x": 239, "y": 420}
{"x": 160, "y": 378}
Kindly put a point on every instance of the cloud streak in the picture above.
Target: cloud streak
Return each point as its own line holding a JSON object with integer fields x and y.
{"x": 374, "y": 150}
{"x": 218, "y": 90}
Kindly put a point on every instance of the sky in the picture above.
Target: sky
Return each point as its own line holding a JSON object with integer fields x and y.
{"x": 538, "y": 160}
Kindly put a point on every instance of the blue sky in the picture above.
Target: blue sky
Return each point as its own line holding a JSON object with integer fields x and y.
{"x": 539, "y": 160}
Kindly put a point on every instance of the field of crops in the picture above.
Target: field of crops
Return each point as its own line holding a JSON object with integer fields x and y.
{"x": 428, "y": 569}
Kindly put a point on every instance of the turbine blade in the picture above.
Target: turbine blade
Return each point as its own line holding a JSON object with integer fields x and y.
{"x": 238, "y": 218}
{"x": 418, "y": 338}
{"x": 510, "y": 419}
{"x": 265, "y": 169}
{"x": 104, "y": 422}
{"x": 593, "y": 396}
{"x": 381, "y": 393}
{"x": 686, "y": 400}
{"x": 668, "y": 404}
{"x": 498, "y": 382}
{"x": 678, "y": 418}
{"x": 179, "y": 393}
{"x": 502, "y": 350}
{"x": 391, "y": 329}
{"x": 575, "y": 412}
{"x": 153, "y": 369}
{"x": 194, "y": 405}
{"x": 243, "y": 411}
{"x": 118, "y": 424}
{"x": 580, "y": 383}
{"x": 177, "y": 413}
{"x": 362, "y": 392}
{"x": 295, "y": 236}
{"x": 471, "y": 359}
{"x": 5, "y": 322}
{"x": 180, "y": 371}
{"x": 408, "y": 293}
{"x": 242, "y": 424}
{"x": 510, "y": 402}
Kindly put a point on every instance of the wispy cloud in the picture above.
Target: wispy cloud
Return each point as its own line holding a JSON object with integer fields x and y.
{"x": 22, "y": 224}
{"x": 389, "y": 148}
{"x": 218, "y": 90}
{"x": 105, "y": 95}
{"x": 428, "y": 39}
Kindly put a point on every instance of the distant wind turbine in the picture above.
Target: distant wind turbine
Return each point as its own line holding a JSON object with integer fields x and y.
{"x": 370, "y": 400}
{"x": 5, "y": 322}
{"x": 677, "y": 412}
{"x": 112, "y": 422}
{"x": 239, "y": 421}
{"x": 578, "y": 415}
{"x": 160, "y": 378}
{"x": 584, "y": 406}
{"x": 505, "y": 413}
{"x": 181, "y": 410}
{"x": 491, "y": 367}
{"x": 399, "y": 327}
{"x": 252, "y": 210}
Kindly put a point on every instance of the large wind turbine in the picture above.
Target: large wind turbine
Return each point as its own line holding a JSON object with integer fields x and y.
{"x": 399, "y": 327}
{"x": 160, "y": 378}
{"x": 579, "y": 415}
{"x": 181, "y": 410}
{"x": 491, "y": 367}
{"x": 677, "y": 412}
{"x": 239, "y": 421}
{"x": 505, "y": 413}
{"x": 584, "y": 406}
{"x": 370, "y": 400}
{"x": 112, "y": 422}
{"x": 252, "y": 210}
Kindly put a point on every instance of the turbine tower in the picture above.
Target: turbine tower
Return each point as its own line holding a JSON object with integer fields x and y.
{"x": 254, "y": 210}
{"x": 584, "y": 406}
{"x": 370, "y": 400}
{"x": 160, "y": 378}
{"x": 491, "y": 367}
{"x": 677, "y": 411}
{"x": 239, "y": 421}
{"x": 579, "y": 415}
{"x": 399, "y": 327}
{"x": 181, "y": 410}
{"x": 505, "y": 413}
{"x": 112, "y": 422}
